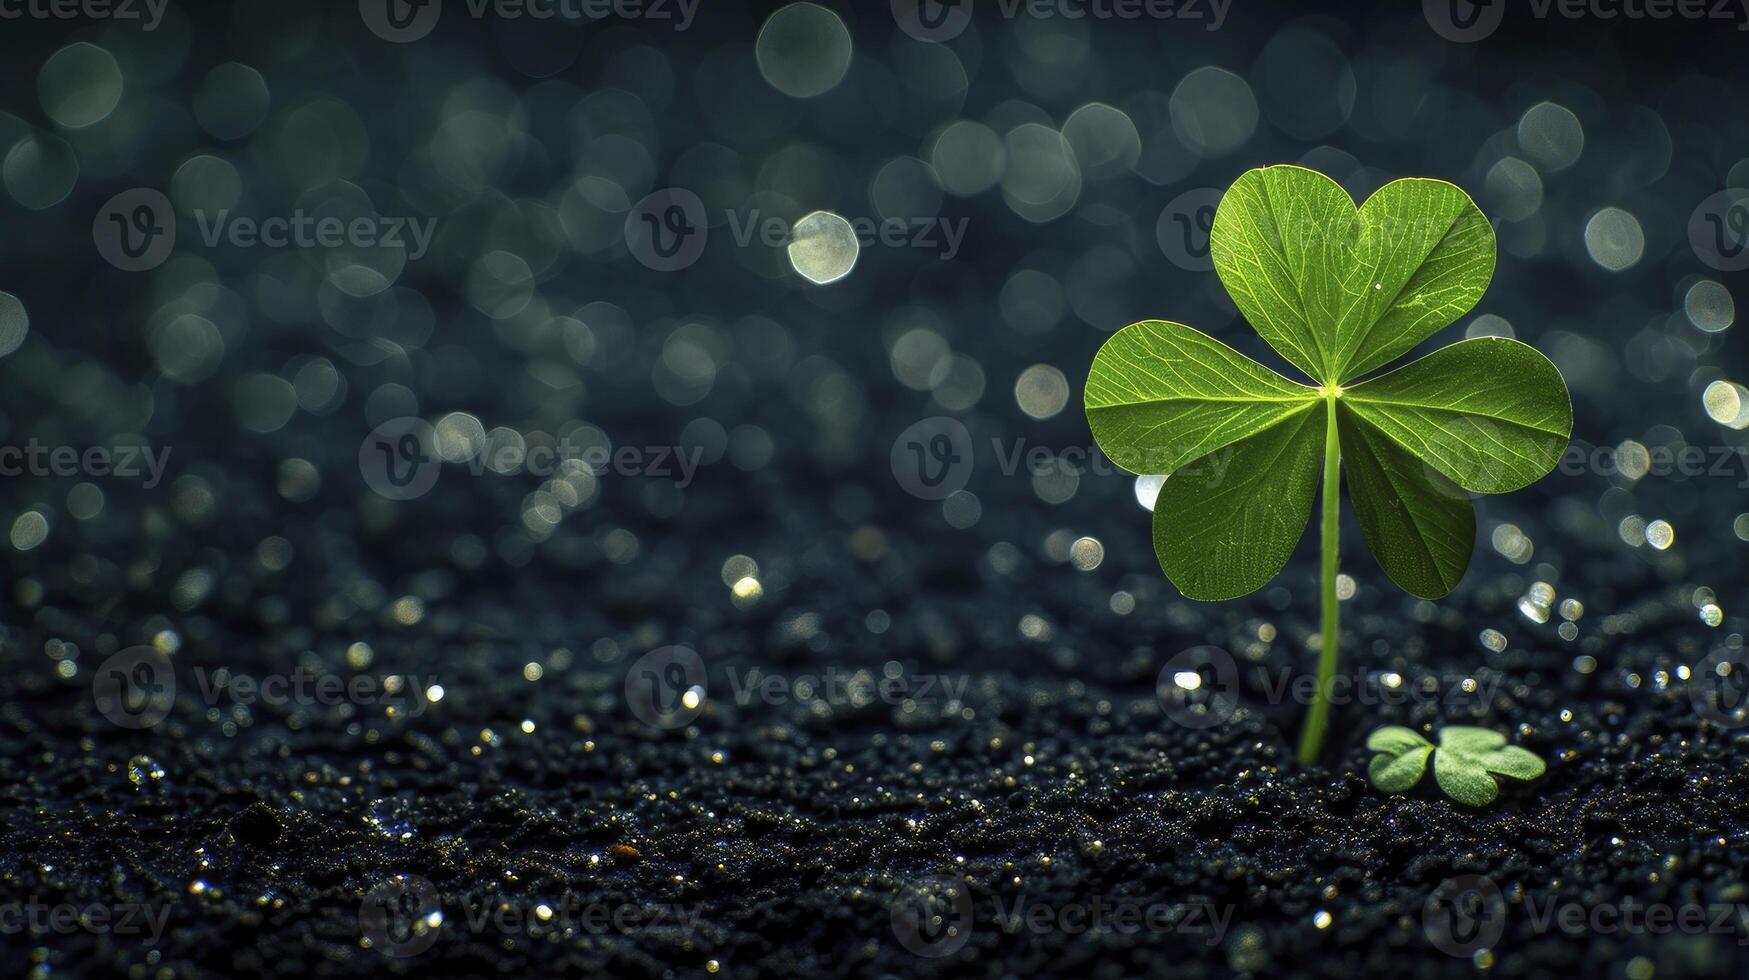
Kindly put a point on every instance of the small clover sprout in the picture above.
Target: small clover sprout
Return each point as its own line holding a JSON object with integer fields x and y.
{"x": 1339, "y": 292}
{"x": 1464, "y": 764}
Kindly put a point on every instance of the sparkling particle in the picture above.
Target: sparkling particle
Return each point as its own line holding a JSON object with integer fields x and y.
{"x": 1345, "y": 586}
{"x": 1514, "y": 189}
{"x": 1727, "y": 403}
{"x": 1489, "y": 325}
{"x": 1086, "y": 554}
{"x": 1214, "y": 111}
{"x": 1551, "y": 135}
{"x": 738, "y": 567}
{"x": 1660, "y": 535}
{"x": 1712, "y": 615}
{"x": 803, "y": 50}
{"x": 142, "y": 769}
{"x": 1042, "y": 180}
{"x": 1148, "y": 490}
{"x": 747, "y": 592}
{"x": 1041, "y": 391}
{"x": 1614, "y": 239}
{"x": 1104, "y": 139}
{"x": 969, "y": 157}
{"x": 1512, "y": 544}
{"x": 823, "y": 248}
{"x": 962, "y": 509}
{"x": 1494, "y": 640}
{"x": 14, "y": 323}
{"x": 408, "y": 610}
{"x": 1572, "y": 609}
{"x": 1709, "y": 306}
{"x": 29, "y": 530}
{"x": 79, "y": 85}
{"x": 1532, "y": 610}
{"x": 1632, "y": 459}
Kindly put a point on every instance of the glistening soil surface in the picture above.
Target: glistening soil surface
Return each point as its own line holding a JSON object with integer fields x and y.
{"x": 1017, "y": 776}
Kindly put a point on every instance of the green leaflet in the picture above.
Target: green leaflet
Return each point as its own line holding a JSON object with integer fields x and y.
{"x": 1417, "y": 524}
{"x": 1339, "y": 291}
{"x": 1401, "y": 760}
{"x": 1161, "y": 394}
{"x": 1395, "y": 739}
{"x": 1278, "y": 243}
{"x": 1226, "y": 523}
{"x": 1465, "y": 764}
{"x": 1492, "y": 414}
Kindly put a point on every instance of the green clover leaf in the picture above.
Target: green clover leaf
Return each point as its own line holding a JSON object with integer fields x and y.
{"x": 1465, "y": 764}
{"x": 1402, "y": 758}
{"x": 1339, "y": 292}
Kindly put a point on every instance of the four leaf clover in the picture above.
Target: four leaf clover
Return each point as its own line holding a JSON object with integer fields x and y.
{"x": 1464, "y": 765}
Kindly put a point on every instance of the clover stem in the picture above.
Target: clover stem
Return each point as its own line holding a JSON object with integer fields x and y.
{"x": 1312, "y": 735}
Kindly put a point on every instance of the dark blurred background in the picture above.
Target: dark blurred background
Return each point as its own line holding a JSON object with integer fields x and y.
{"x": 659, "y": 393}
